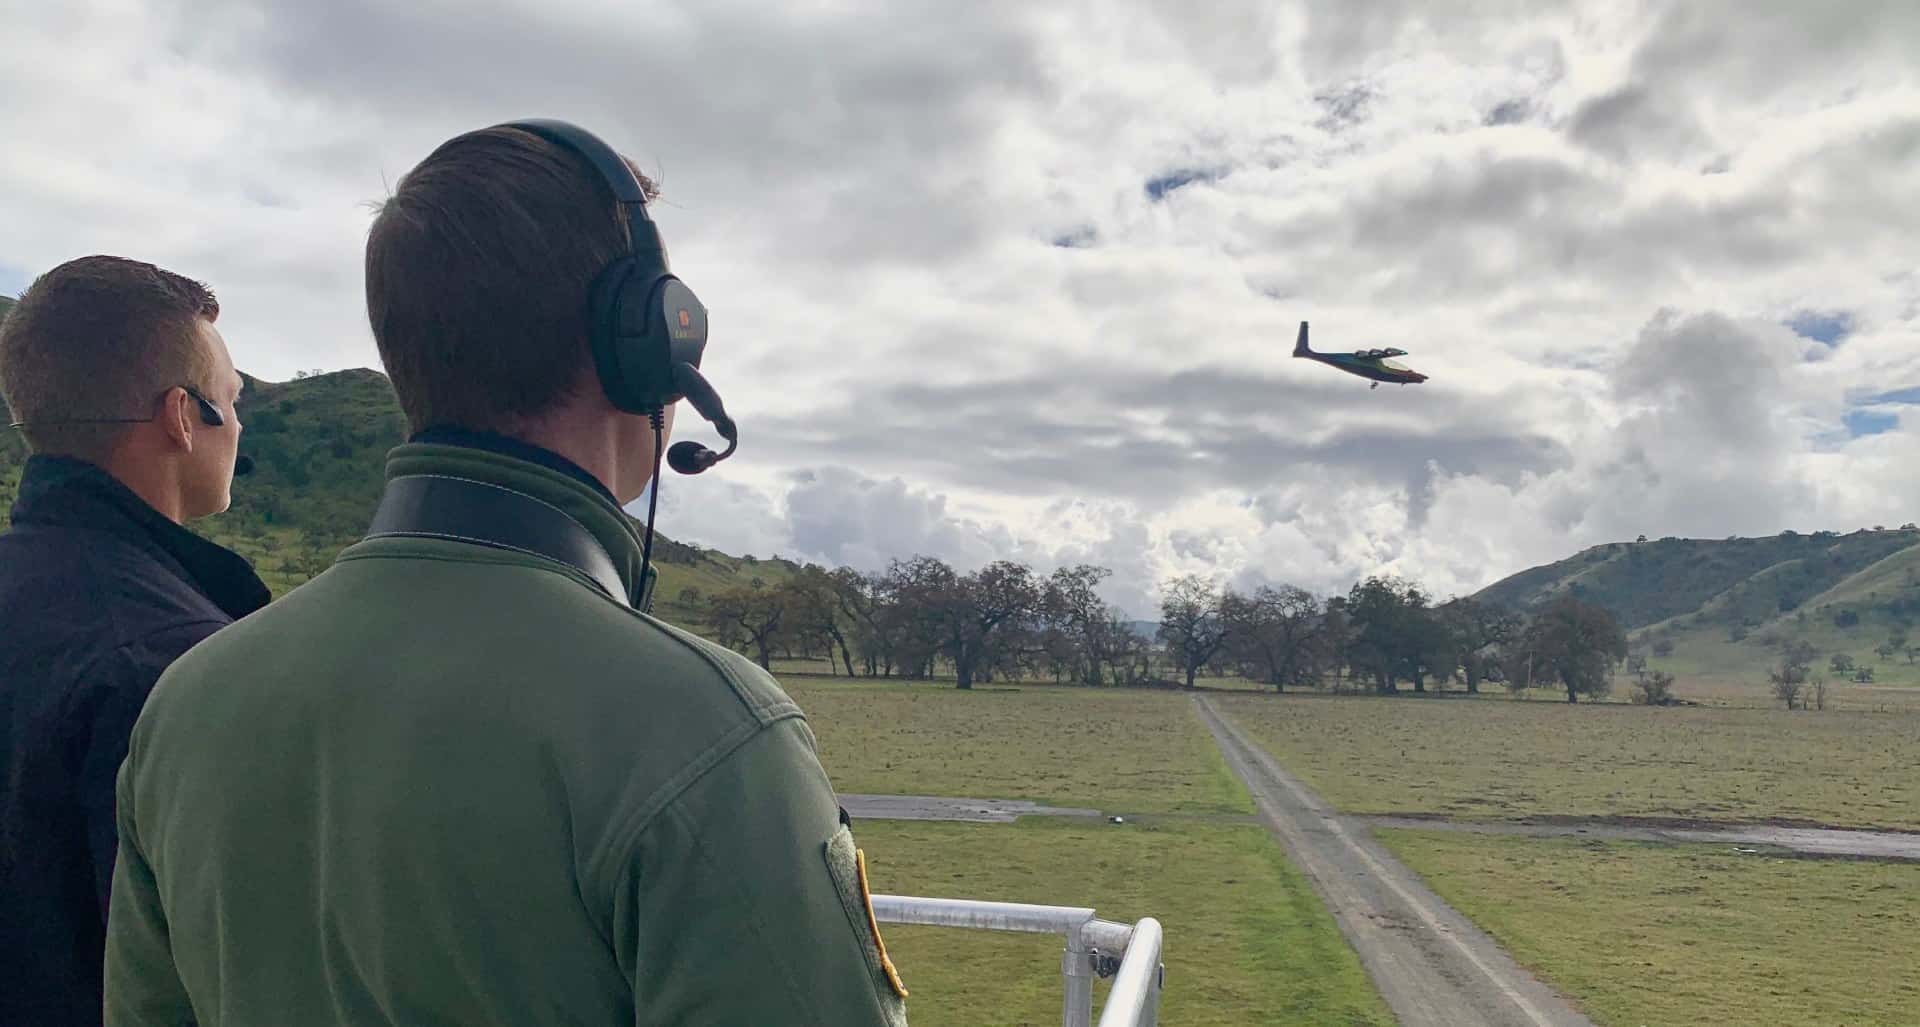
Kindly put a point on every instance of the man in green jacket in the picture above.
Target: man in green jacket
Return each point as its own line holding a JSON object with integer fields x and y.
{"x": 461, "y": 777}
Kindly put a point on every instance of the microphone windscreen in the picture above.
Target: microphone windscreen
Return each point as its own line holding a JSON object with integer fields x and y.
{"x": 242, "y": 466}
{"x": 688, "y": 457}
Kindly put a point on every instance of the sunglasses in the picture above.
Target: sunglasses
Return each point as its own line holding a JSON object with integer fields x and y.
{"x": 210, "y": 415}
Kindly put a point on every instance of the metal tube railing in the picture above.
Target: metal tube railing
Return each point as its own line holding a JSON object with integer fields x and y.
{"x": 1134, "y": 999}
{"x": 1094, "y": 948}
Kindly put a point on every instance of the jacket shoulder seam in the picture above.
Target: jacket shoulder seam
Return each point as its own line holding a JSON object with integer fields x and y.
{"x": 677, "y": 786}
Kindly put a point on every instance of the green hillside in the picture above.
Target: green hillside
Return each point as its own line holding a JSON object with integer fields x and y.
{"x": 319, "y": 446}
{"x": 1725, "y": 608}
{"x": 1736, "y": 580}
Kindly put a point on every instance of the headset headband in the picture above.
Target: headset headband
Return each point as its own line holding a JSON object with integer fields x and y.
{"x": 613, "y": 170}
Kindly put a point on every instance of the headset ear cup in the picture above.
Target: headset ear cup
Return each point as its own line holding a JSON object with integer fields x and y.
{"x": 646, "y": 363}
{"x": 603, "y": 306}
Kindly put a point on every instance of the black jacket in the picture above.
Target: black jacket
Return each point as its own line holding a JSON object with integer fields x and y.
{"x": 98, "y": 594}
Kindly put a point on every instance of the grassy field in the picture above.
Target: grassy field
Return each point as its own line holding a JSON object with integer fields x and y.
{"x": 1247, "y": 940}
{"x": 1123, "y": 751}
{"x": 1707, "y": 667}
{"x": 1496, "y": 758}
{"x": 1643, "y": 934}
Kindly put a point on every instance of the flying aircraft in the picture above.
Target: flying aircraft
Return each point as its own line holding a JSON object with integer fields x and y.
{"x": 1367, "y": 363}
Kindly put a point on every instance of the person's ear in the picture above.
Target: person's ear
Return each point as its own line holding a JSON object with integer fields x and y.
{"x": 178, "y": 416}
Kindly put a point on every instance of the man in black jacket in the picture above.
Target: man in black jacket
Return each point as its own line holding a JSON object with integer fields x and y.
{"x": 125, "y": 392}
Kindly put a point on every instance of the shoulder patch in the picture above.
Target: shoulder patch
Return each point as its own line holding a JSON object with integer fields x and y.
{"x": 848, "y": 867}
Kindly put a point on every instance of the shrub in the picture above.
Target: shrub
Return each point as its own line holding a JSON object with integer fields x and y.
{"x": 1654, "y": 688}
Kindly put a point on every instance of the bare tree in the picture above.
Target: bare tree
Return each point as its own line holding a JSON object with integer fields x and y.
{"x": 1128, "y": 654}
{"x": 1191, "y": 625}
{"x": 914, "y": 603}
{"x": 818, "y": 616}
{"x": 1789, "y": 676}
{"x": 1077, "y": 621}
{"x": 1274, "y": 635}
{"x": 982, "y": 613}
{"x": 749, "y": 616}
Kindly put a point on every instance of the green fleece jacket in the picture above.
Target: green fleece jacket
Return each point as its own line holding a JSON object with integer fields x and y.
{"x": 444, "y": 783}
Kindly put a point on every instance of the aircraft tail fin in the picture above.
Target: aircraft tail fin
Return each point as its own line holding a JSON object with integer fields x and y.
{"x": 1300, "y": 345}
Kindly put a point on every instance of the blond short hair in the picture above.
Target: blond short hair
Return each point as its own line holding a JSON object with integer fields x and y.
{"x": 100, "y": 337}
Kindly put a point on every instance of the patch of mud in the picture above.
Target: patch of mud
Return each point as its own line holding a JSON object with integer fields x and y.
{"x": 1809, "y": 841}
{"x": 927, "y": 807}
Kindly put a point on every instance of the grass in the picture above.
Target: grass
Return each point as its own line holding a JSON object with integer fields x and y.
{"x": 1247, "y": 940}
{"x": 1500, "y": 759}
{"x": 1118, "y": 750}
{"x": 1643, "y": 934}
{"x": 1708, "y": 667}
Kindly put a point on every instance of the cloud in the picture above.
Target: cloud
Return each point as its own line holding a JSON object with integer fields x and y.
{"x": 995, "y": 279}
{"x": 1510, "y": 112}
{"x": 1633, "y": 122}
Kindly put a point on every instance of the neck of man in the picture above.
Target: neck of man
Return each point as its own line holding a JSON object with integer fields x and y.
{"x": 615, "y": 448}
{"x": 151, "y": 475}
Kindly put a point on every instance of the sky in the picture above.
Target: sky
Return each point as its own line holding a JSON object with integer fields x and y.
{"x": 1018, "y": 280}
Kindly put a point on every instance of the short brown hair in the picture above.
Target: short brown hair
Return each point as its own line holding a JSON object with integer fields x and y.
{"x": 100, "y": 337}
{"x": 478, "y": 273}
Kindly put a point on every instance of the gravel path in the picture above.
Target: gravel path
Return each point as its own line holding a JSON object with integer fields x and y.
{"x": 1431, "y": 964}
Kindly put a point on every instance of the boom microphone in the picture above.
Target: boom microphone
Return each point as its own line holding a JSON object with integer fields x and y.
{"x": 242, "y": 466}
{"x": 692, "y": 457}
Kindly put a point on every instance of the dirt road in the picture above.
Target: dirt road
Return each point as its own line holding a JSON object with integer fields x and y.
{"x": 1431, "y": 965}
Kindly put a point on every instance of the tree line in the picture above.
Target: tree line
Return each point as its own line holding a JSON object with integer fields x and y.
{"x": 1006, "y": 621}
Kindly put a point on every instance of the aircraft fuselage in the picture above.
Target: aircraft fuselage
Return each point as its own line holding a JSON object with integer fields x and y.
{"x": 1371, "y": 364}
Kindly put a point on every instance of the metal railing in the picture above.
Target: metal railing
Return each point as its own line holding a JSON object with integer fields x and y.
{"x": 1095, "y": 948}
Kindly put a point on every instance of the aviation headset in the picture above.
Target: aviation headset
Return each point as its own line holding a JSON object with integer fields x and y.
{"x": 648, "y": 329}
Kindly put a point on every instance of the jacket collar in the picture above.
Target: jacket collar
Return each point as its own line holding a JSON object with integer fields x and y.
{"x": 64, "y": 492}
{"x": 493, "y": 442}
{"x": 587, "y": 502}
